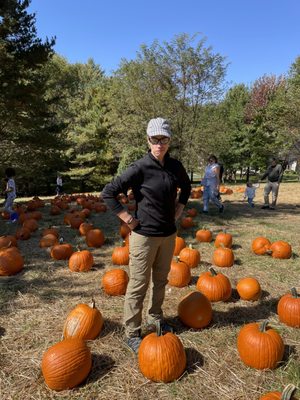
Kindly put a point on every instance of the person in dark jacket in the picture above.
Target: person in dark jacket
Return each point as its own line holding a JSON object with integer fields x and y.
{"x": 274, "y": 174}
{"x": 154, "y": 180}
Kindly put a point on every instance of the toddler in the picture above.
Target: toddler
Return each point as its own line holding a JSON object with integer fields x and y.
{"x": 250, "y": 192}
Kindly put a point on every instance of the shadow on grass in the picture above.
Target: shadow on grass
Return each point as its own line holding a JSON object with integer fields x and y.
{"x": 2, "y": 331}
{"x": 194, "y": 360}
{"x": 288, "y": 351}
{"x": 111, "y": 326}
{"x": 102, "y": 364}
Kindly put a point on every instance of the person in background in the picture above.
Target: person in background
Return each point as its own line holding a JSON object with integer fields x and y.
{"x": 59, "y": 185}
{"x": 250, "y": 192}
{"x": 211, "y": 183}
{"x": 274, "y": 174}
{"x": 10, "y": 191}
{"x": 154, "y": 180}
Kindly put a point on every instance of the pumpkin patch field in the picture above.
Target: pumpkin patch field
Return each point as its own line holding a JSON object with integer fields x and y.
{"x": 233, "y": 303}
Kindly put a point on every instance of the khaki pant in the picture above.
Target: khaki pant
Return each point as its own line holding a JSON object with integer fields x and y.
{"x": 148, "y": 255}
{"x": 274, "y": 188}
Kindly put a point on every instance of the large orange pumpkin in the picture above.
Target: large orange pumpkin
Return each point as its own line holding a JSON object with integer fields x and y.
{"x": 204, "y": 235}
{"x": 259, "y": 346}
{"x": 115, "y": 282}
{"x": 260, "y": 245}
{"x": 288, "y": 309}
{"x": 286, "y": 394}
{"x": 179, "y": 245}
{"x": 190, "y": 256}
{"x": 195, "y": 310}
{"x": 215, "y": 286}
{"x": 179, "y": 274}
{"x": 223, "y": 239}
{"x": 162, "y": 358}
{"x": 223, "y": 257}
{"x": 84, "y": 322}
{"x": 281, "y": 249}
{"x": 94, "y": 238}
{"x": 66, "y": 364}
{"x": 81, "y": 261}
{"x": 249, "y": 289}
{"x": 11, "y": 261}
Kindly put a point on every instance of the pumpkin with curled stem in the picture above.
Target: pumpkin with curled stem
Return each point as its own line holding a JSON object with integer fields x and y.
{"x": 190, "y": 256}
{"x": 288, "y": 309}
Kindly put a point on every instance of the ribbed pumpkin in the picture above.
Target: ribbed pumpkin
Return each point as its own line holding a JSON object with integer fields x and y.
{"x": 288, "y": 309}
{"x": 180, "y": 273}
{"x": 190, "y": 256}
{"x": 81, "y": 261}
{"x": 223, "y": 257}
{"x": 84, "y": 322}
{"x": 94, "y": 238}
{"x": 8, "y": 241}
{"x": 23, "y": 233}
{"x": 259, "y": 346}
{"x": 260, "y": 245}
{"x": 286, "y": 394}
{"x": 162, "y": 358}
{"x": 115, "y": 282}
{"x": 281, "y": 249}
{"x": 187, "y": 222}
{"x": 52, "y": 231}
{"x": 30, "y": 224}
{"x": 120, "y": 255}
{"x": 195, "y": 310}
{"x": 61, "y": 251}
{"x": 76, "y": 221}
{"x": 179, "y": 245}
{"x": 85, "y": 227}
{"x": 223, "y": 239}
{"x": 48, "y": 240}
{"x": 204, "y": 235}
{"x": 66, "y": 364}
{"x": 124, "y": 230}
{"x": 214, "y": 285}
{"x": 11, "y": 261}
{"x": 249, "y": 289}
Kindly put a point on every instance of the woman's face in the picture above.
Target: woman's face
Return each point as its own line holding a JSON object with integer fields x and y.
{"x": 159, "y": 145}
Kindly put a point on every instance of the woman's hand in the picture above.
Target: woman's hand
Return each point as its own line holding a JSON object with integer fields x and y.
{"x": 133, "y": 223}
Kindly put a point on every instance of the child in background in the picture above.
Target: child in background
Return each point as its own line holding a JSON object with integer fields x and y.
{"x": 10, "y": 191}
{"x": 250, "y": 192}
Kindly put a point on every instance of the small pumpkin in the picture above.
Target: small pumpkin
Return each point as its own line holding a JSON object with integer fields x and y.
{"x": 187, "y": 222}
{"x": 286, "y": 394}
{"x": 192, "y": 212}
{"x": 81, "y": 261}
{"x": 179, "y": 245}
{"x": 23, "y": 233}
{"x": 48, "y": 240}
{"x": 288, "y": 309}
{"x": 120, "y": 255}
{"x": 281, "y": 249}
{"x": 223, "y": 239}
{"x": 11, "y": 261}
{"x": 66, "y": 364}
{"x": 84, "y": 228}
{"x": 204, "y": 235}
{"x": 61, "y": 251}
{"x": 259, "y": 346}
{"x": 124, "y": 230}
{"x": 115, "y": 282}
{"x": 190, "y": 256}
{"x": 94, "y": 238}
{"x": 31, "y": 224}
{"x": 249, "y": 289}
{"x": 161, "y": 357}
{"x": 223, "y": 257}
{"x": 8, "y": 241}
{"x": 83, "y": 322}
{"x": 260, "y": 245}
{"x": 179, "y": 274}
{"x": 53, "y": 231}
{"x": 195, "y": 310}
{"x": 214, "y": 285}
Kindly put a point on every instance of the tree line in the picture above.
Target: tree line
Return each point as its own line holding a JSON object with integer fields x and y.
{"x": 76, "y": 120}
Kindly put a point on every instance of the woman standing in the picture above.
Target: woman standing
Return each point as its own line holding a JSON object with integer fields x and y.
{"x": 154, "y": 180}
{"x": 211, "y": 183}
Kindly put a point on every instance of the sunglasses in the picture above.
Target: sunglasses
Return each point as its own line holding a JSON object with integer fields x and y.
{"x": 154, "y": 140}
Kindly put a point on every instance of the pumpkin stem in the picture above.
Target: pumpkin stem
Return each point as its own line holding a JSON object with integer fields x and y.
{"x": 177, "y": 259}
{"x": 93, "y": 303}
{"x": 263, "y": 326}
{"x": 294, "y": 292}
{"x": 158, "y": 328}
{"x": 61, "y": 240}
{"x": 212, "y": 271}
{"x": 190, "y": 246}
{"x": 288, "y": 392}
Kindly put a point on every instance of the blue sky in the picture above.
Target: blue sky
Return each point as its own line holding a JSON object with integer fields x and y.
{"x": 257, "y": 37}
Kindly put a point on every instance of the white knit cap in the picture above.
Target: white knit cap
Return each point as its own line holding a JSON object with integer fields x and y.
{"x": 158, "y": 126}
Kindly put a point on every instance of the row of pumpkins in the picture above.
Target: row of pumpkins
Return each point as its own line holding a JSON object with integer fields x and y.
{"x": 187, "y": 309}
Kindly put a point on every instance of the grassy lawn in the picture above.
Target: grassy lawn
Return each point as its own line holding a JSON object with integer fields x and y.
{"x": 35, "y": 303}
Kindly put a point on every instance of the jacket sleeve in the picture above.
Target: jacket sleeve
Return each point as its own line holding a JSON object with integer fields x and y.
{"x": 265, "y": 174}
{"x": 130, "y": 177}
{"x": 184, "y": 184}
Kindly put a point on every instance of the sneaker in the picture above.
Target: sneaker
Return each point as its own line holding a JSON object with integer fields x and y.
{"x": 133, "y": 343}
{"x": 272, "y": 208}
{"x": 265, "y": 206}
{"x": 205, "y": 211}
{"x": 165, "y": 327}
{"x": 221, "y": 209}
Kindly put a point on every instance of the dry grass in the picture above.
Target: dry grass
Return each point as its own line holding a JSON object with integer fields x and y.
{"x": 34, "y": 305}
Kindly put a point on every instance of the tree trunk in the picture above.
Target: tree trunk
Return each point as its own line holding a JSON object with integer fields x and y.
{"x": 248, "y": 174}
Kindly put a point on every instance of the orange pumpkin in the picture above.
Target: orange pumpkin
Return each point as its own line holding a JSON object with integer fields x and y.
{"x": 162, "y": 357}
{"x": 53, "y": 231}
{"x": 260, "y": 245}
{"x": 120, "y": 255}
{"x": 215, "y": 286}
{"x": 223, "y": 257}
{"x": 288, "y": 309}
{"x": 187, "y": 222}
{"x": 124, "y": 230}
{"x": 204, "y": 235}
{"x": 30, "y": 224}
{"x": 115, "y": 282}
{"x": 223, "y": 239}
{"x": 81, "y": 261}
{"x": 66, "y": 364}
{"x": 11, "y": 261}
{"x": 195, "y": 310}
{"x": 23, "y": 234}
{"x": 281, "y": 249}
{"x": 83, "y": 322}
{"x": 249, "y": 289}
{"x": 94, "y": 238}
{"x": 61, "y": 251}
{"x": 180, "y": 273}
{"x": 179, "y": 245}
{"x": 192, "y": 212}
{"x": 286, "y": 394}
{"x": 84, "y": 228}
{"x": 190, "y": 256}
{"x": 48, "y": 240}
{"x": 259, "y": 346}
{"x": 8, "y": 241}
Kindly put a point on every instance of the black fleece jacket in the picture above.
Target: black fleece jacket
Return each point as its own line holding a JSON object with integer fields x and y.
{"x": 155, "y": 190}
